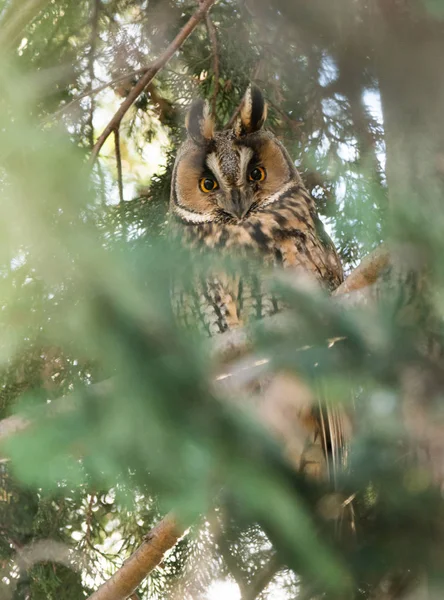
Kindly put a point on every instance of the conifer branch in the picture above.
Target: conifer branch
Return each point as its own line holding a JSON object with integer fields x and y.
{"x": 166, "y": 534}
{"x": 152, "y": 71}
{"x": 231, "y": 344}
{"x": 168, "y": 531}
{"x": 148, "y": 555}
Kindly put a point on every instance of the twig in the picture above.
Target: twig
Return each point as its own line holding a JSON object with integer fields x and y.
{"x": 291, "y": 122}
{"x": 234, "y": 116}
{"x": 261, "y": 579}
{"x": 95, "y": 91}
{"x": 237, "y": 110}
{"x": 184, "y": 33}
{"x": 148, "y": 555}
{"x": 213, "y": 39}
{"x": 118, "y": 164}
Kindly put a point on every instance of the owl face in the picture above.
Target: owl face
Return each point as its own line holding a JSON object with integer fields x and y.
{"x": 226, "y": 176}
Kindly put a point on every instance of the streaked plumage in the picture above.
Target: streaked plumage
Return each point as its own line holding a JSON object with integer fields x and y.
{"x": 275, "y": 218}
{"x": 238, "y": 192}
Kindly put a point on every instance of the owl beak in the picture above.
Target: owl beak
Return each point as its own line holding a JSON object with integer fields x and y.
{"x": 238, "y": 204}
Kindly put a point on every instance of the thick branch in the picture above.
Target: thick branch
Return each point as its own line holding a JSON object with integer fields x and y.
{"x": 152, "y": 71}
{"x": 148, "y": 555}
{"x": 367, "y": 272}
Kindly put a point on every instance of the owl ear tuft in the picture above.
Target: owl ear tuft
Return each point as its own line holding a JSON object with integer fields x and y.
{"x": 253, "y": 111}
{"x": 199, "y": 123}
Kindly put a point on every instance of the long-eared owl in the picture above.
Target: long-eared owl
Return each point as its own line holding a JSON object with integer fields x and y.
{"x": 238, "y": 191}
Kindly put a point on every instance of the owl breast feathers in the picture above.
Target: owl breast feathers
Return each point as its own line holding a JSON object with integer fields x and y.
{"x": 237, "y": 191}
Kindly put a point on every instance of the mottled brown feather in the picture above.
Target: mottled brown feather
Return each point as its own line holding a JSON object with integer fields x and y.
{"x": 275, "y": 220}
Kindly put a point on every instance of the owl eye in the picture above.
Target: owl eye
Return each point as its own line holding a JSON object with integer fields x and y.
{"x": 257, "y": 174}
{"x": 207, "y": 184}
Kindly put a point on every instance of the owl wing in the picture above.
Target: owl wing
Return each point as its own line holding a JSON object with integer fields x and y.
{"x": 294, "y": 235}
{"x": 291, "y": 232}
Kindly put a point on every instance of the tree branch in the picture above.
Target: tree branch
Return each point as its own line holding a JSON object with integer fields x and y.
{"x": 234, "y": 116}
{"x": 367, "y": 272}
{"x": 231, "y": 344}
{"x": 292, "y": 123}
{"x": 152, "y": 71}
{"x": 166, "y": 533}
{"x": 147, "y": 556}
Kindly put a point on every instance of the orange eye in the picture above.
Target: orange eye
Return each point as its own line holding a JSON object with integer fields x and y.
{"x": 257, "y": 174}
{"x": 207, "y": 184}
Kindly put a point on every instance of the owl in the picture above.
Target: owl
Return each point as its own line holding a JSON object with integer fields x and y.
{"x": 238, "y": 192}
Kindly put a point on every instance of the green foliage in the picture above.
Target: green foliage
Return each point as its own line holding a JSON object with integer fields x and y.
{"x": 125, "y": 425}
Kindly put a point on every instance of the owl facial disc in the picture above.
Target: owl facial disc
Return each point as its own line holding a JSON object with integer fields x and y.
{"x": 224, "y": 176}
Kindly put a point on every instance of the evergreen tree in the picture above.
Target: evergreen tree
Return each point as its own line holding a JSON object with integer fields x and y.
{"x": 355, "y": 92}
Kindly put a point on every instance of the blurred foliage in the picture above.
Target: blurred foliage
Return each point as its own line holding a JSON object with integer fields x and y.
{"x": 85, "y": 287}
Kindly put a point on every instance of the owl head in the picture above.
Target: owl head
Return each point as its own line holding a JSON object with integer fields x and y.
{"x": 225, "y": 176}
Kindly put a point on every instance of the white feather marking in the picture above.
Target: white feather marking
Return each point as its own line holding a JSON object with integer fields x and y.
{"x": 213, "y": 165}
{"x": 245, "y": 156}
{"x": 192, "y": 217}
{"x": 275, "y": 197}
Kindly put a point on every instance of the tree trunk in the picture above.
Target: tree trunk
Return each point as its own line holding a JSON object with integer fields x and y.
{"x": 409, "y": 54}
{"x": 409, "y": 58}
